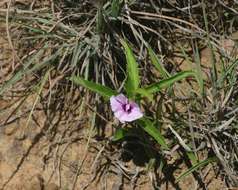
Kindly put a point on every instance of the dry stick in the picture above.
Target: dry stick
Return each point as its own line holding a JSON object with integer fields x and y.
{"x": 20, "y": 11}
{"x": 91, "y": 169}
{"x": 9, "y": 37}
{"x": 149, "y": 15}
{"x": 191, "y": 130}
{"x": 52, "y": 7}
{"x": 222, "y": 161}
{"x": 152, "y": 15}
{"x": 60, "y": 163}
{"x": 56, "y": 166}
{"x": 224, "y": 5}
{"x": 85, "y": 154}
{"x": 32, "y": 4}
{"x": 83, "y": 160}
{"x": 69, "y": 141}
{"x": 181, "y": 141}
{"x": 193, "y": 144}
{"x": 111, "y": 73}
{"x": 36, "y": 100}
{"x": 62, "y": 19}
{"x": 87, "y": 29}
{"x": 130, "y": 23}
{"x": 227, "y": 98}
{"x": 97, "y": 157}
{"x": 145, "y": 28}
{"x": 122, "y": 169}
{"x": 98, "y": 114}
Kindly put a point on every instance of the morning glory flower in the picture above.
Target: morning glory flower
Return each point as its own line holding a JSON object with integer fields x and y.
{"x": 125, "y": 110}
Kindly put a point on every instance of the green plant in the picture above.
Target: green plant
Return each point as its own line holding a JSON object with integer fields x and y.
{"x": 132, "y": 89}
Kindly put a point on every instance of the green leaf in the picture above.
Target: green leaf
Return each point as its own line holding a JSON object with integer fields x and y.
{"x": 199, "y": 74}
{"x": 39, "y": 91}
{"x": 31, "y": 66}
{"x": 198, "y": 70}
{"x": 98, "y": 88}
{"x": 119, "y": 134}
{"x": 144, "y": 93}
{"x": 133, "y": 79}
{"x": 196, "y": 166}
{"x": 229, "y": 71}
{"x": 156, "y": 87}
{"x": 192, "y": 157}
{"x": 100, "y": 23}
{"x": 148, "y": 126}
{"x": 80, "y": 49}
{"x": 115, "y": 8}
{"x": 156, "y": 62}
{"x": 151, "y": 165}
{"x": 19, "y": 75}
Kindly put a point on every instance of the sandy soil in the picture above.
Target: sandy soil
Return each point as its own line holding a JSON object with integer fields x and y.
{"x": 34, "y": 162}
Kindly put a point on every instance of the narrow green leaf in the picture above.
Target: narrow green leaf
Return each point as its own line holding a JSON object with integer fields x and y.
{"x": 119, "y": 134}
{"x": 48, "y": 22}
{"x": 199, "y": 74}
{"x": 151, "y": 165}
{"x": 133, "y": 79}
{"x": 192, "y": 157}
{"x": 158, "y": 65}
{"x": 39, "y": 91}
{"x": 148, "y": 126}
{"x": 100, "y": 20}
{"x": 196, "y": 166}
{"x": 80, "y": 50}
{"x": 156, "y": 87}
{"x": 36, "y": 30}
{"x": 231, "y": 69}
{"x": 98, "y": 88}
{"x": 197, "y": 67}
{"x": 30, "y": 67}
{"x": 161, "y": 164}
{"x": 144, "y": 93}
{"x": 18, "y": 76}
{"x": 214, "y": 73}
{"x": 115, "y": 8}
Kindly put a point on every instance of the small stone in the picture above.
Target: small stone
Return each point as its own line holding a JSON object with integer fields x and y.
{"x": 9, "y": 130}
{"x": 20, "y": 135}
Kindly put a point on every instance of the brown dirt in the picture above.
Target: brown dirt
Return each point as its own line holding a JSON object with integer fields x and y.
{"x": 30, "y": 165}
{"x": 36, "y": 168}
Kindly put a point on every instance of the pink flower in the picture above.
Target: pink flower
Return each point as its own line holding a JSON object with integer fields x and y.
{"x": 125, "y": 110}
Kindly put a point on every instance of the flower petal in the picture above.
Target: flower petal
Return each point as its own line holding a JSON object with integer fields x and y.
{"x": 122, "y": 99}
{"x": 115, "y": 105}
{"x": 120, "y": 115}
{"x": 134, "y": 105}
{"x": 133, "y": 115}
{"x": 117, "y": 102}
